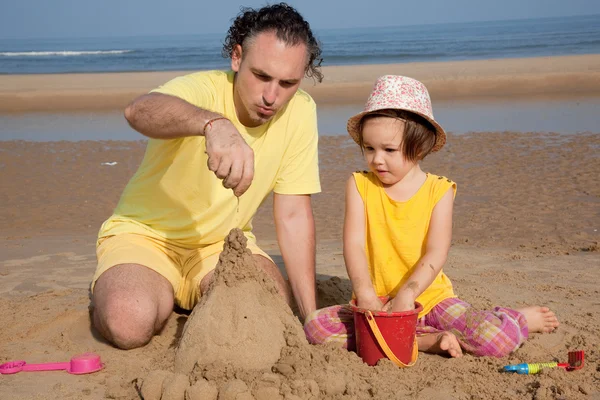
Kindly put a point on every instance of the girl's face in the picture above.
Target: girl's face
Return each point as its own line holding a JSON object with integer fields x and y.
{"x": 382, "y": 137}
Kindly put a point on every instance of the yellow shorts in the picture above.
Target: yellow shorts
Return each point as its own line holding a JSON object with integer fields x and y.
{"x": 181, "y": 266}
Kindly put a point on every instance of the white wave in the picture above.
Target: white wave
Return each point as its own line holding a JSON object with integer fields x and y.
{"x": 60, "y": 53}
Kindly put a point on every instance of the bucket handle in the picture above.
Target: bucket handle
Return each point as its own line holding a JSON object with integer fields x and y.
{"x": 384, "y": 346}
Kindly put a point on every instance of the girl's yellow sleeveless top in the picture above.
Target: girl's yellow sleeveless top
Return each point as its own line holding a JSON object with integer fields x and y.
{"x": 396, "y": 235}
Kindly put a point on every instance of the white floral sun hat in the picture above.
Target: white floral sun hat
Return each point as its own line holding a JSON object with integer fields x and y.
{"x": 398, "y": 93}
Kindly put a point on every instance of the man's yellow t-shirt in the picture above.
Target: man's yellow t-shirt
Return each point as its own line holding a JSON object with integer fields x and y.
{"x": 396, "y": 236}
{"x": 174, "y": 195}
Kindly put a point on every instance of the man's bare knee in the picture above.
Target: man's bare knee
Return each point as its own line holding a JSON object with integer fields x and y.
{"x": 126, "y": 330}
{"x": 130, "y": 304}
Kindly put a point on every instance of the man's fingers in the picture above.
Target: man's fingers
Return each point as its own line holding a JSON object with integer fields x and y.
{"x": 247, "y": 175}
{"x": 235, "y": 175}
{"x": 231, "y": 159}
{"x": 223, "y": 169}
{"x": 213, "y": 163}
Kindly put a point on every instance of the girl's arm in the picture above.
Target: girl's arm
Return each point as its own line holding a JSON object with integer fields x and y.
{"x": 430, "y": 265}
{"x": 354, "y": 249}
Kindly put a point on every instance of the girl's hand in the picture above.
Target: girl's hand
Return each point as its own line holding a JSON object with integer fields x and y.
{"x": 372, "y": 303}
{"x": 404, "y": 301}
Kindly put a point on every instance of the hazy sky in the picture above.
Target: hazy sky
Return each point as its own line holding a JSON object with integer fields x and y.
{"x": 101, "y": 18}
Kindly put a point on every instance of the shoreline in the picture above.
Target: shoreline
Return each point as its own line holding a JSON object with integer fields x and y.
{"x": 542, "y": 77}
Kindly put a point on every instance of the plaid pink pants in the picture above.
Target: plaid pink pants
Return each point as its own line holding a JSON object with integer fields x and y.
{"x": 494, "y": 333}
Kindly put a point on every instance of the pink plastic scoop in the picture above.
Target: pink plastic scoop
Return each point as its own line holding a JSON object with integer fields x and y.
{"x": 81, "y": 364}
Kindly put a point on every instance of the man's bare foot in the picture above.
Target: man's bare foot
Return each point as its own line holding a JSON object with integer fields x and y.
{"x": 539, "y": 319}
{"x": 440, "y": 343}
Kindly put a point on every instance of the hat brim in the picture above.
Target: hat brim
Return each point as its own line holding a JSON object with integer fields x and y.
{"x": 354, "y": 123}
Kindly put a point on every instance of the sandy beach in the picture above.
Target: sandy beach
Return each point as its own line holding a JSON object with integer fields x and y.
{"x": 542, "y": 77}
{"x": 526, "y": 231}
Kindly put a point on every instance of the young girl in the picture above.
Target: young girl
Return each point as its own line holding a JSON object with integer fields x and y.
{"x": 397, "y": 231}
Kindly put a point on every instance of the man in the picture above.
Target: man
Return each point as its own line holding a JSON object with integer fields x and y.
{"x": 220, "y": 142}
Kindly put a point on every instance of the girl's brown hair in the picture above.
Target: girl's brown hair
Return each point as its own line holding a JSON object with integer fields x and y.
{"x": 419, "y": 134}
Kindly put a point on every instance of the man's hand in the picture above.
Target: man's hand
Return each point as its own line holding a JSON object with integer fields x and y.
{"x": 229, "y": 156}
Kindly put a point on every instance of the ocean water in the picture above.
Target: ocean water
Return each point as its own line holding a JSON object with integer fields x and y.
{"x": 441, "y": 42}
{"x": 559, "y": 116}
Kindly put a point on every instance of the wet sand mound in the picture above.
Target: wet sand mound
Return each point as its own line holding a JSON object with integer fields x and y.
{"x": 241, "y": 320}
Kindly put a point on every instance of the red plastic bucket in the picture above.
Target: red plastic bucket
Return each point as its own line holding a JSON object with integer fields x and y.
{"x": 380, "y": 332}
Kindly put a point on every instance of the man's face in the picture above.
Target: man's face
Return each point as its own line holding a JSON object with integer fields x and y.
{"x": 268, "y": 74}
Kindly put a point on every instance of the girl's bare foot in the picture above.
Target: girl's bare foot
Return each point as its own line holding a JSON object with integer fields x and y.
{"x": 440, "y": 343}
{"x": 539, "y": 319}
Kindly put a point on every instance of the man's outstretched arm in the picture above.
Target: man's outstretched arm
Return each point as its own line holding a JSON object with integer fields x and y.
{"x": 161, "y": 116}
{"x": 295, "y": 228}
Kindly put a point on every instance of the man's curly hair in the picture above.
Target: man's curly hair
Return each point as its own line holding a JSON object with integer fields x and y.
{"x": 289, "y": 27}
